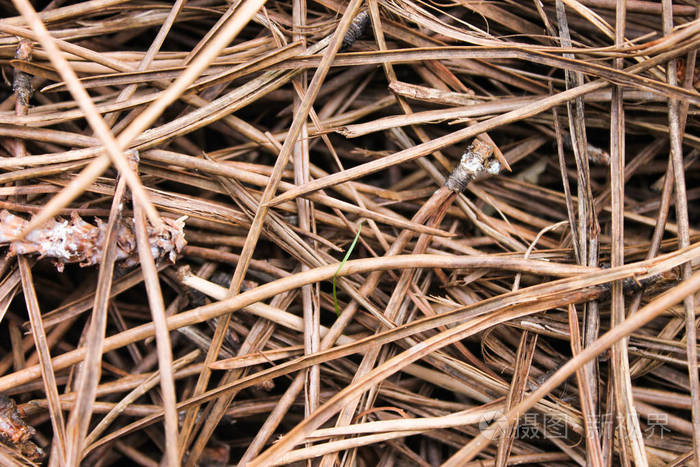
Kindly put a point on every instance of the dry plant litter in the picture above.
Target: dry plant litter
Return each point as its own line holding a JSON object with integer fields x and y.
{"x": 186, "y": 280}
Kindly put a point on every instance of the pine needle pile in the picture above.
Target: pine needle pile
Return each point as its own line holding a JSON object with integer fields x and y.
{"x": 361, "y": 233}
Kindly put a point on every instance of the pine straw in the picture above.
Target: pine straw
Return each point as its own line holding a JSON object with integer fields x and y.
{"x": 544, "y": 315}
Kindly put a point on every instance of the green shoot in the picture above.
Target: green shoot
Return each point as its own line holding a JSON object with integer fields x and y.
{"x": 342, "y": 263}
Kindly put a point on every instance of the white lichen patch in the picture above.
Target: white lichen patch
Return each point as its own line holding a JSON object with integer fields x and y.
{"x": 494, "y": 167}
{"x": 476, "y": 162}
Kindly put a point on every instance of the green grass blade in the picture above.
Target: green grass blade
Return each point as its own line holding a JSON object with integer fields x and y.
{"x": 342, "y": 263}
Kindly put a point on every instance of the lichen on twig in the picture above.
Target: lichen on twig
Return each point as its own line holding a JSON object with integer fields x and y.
{"x": 77, "y": 241}
{"x": 476, "y": 162}
{"x": 15, "y": 433}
